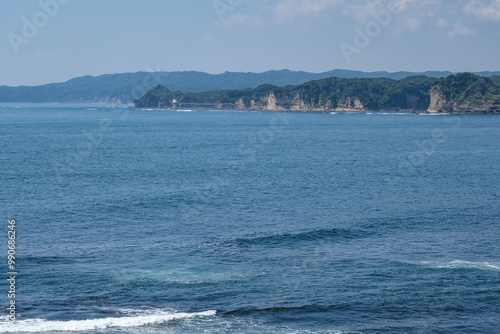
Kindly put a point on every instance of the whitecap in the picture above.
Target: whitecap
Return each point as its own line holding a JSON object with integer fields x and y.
{"x": 142, "y": 319}
{"x": 460, "y": 264}
{"x": 433, "y": 114}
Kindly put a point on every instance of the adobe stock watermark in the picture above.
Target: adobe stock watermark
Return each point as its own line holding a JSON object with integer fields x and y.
{"x": 372, "y": 28}
{"x": 91, "y": 139}
{"x": 31, "y": 26}
{"x": 12, "y": 271}
{"x": 425, "y": 149}
{"x": 247, "y": 154}
{"x": 150, "y": 80}
{"x": 224, "y": 6}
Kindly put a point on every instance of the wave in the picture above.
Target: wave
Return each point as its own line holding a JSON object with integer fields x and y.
{"x": 249, "y": 315}
{"x": 288, "y": 238}
{"x": 142, "y": 319}
{"x": 46, "y": 259}
{"x": 283, "y": 309}
{"x": 459, "y": 264}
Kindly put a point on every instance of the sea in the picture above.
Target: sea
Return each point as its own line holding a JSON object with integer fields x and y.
{"x": 162, "y": 221}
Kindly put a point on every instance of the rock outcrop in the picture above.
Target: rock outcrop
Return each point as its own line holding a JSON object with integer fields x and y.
{"x": 240, "y": 105}
{"x": 472, "y": 105}
{"x": 351, "y": 104}
{"x": 293, "y": 102}
{"x": 273, "y": 104}
{"x": 438, "y": 104}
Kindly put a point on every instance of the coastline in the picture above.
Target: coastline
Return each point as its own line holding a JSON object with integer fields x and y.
{"x": 326, "y": 111}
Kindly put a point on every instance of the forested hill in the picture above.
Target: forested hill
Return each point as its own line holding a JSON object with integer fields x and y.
{"x": 465, "y": 93}
{"x": 462, "y": 93}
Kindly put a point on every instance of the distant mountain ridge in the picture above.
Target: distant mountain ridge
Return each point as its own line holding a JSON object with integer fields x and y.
{"x": 125, "y": 87}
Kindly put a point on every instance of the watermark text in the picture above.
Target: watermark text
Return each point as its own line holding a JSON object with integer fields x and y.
{"x": 11, "y": 260}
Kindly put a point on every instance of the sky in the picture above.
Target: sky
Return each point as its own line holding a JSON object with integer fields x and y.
{"x": 46, "y": 41}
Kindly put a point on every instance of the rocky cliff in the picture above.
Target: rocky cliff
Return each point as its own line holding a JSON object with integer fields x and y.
{"x": 464, "y": 94}
{"x": 293, "y": 102}
{"x": 461, "y": 93}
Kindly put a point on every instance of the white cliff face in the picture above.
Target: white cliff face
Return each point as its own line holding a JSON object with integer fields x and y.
{"x": 240, "y": 104}
{"x": 296, "y": 103}
{"x": 351, "y": 104}
{"x": 272, "y": 102}
{"x": 438, "y": 102}
{"x": 358, "y": 105}
{"x": 253, "y": 105}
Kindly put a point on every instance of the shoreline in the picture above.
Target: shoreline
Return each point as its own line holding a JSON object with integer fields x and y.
{"x": 58, "y": 105}
{"x": 332, "y": 111}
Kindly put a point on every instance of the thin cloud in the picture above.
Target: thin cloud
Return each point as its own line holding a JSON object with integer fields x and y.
{"x": 409, "y": 19}
{"x": 486, "y": 10}
{"x": 412, "y": 23}
{"x": 441, "y": 23}
{"x": 290, "y": 9}
{"x": 459, "y": 30}
{"x": 233, "y": 19}
{"x": 361, "y": 13}
{"x": 402, "y": 4}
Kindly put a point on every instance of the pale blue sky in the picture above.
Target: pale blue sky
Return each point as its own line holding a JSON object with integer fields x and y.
{"x": 93, "y": 37}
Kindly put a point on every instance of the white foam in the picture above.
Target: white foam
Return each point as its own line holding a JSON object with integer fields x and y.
{"x": 459, "y": 264}
{"x": 396, "y": 113}
{"x": 145, "y": 319}
{"x": 434, "y": 114}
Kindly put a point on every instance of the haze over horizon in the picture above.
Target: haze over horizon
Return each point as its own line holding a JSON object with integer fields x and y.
{"x": 46, "y": 41}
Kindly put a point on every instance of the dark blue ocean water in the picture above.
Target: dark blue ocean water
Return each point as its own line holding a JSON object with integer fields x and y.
{"x": 148, "y": 221}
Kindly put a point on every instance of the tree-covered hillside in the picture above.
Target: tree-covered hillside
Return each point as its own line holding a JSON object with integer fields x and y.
{"x": 377, "y": 93}
{"x": 410, "y": 94}
{"x": 467, "y": 86}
